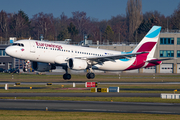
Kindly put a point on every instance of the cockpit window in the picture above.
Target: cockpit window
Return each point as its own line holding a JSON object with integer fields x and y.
{"x": 18, "y": 44}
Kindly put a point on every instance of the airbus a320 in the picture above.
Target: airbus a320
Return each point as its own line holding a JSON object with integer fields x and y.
{"x": 46, "y": 56}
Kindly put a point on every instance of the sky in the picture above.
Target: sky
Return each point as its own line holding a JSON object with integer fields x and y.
{"x": 99, "y": 9}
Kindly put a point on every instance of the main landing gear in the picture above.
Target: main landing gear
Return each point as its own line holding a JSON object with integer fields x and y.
{"x": 90, "y": 75}
{"x": 66, "y": 76}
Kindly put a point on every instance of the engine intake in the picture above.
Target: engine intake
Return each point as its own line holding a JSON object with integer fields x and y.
{"x": 77, "y": 64}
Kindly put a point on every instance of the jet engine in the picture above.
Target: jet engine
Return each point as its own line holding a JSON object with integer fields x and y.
{"x": 42, "y": 67}
{"x": 77, "y": 64}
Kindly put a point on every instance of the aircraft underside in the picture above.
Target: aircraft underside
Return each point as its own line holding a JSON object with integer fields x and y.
{"x": 104, "y": 67}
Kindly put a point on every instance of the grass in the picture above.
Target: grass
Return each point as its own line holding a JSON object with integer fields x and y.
{"x": 6, "y": 77}
{"x": 58, "y": 88}
{"x": 51, "y": 115}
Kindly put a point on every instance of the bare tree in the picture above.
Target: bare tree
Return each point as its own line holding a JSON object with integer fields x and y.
{"x": 134, "y": 16}
{"x": 94, "y": 33}
{"x": 3, "y": 23}
{"x": 175, "y": 18}
{"x": 61, "y": 25}
{"x": 81, "y": 21}
{"x": 43, "y": 24}
{"x": 21, "y": 24}
{"x": 119, "y": 27}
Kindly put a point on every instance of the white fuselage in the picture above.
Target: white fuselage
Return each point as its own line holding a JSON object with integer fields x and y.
{"x": 48, "y": 52}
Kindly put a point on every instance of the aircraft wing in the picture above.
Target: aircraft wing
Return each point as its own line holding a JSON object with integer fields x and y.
{"x": 101, "y": 59}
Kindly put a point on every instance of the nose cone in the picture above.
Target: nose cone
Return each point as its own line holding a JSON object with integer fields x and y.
{"x": 9, "y": 51}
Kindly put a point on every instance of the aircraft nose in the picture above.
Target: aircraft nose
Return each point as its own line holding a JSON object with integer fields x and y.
{"x": 8, "y": 51}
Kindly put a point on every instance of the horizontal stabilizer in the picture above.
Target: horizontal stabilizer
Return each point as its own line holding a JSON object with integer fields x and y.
{"x": 157, "y": 60}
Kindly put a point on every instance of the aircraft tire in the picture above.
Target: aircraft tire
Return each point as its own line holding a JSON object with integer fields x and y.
{"x": 90, "y": 75}
{"x": 67, "y": 76}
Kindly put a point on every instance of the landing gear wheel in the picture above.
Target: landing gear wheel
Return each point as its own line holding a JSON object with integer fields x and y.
{"x": 67, "y": 76}
{"x": 87, "y": 75}
{"x": 90, "y": 75}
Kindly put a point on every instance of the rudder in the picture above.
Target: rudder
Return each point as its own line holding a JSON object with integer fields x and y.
{"x": 148, "y": 43}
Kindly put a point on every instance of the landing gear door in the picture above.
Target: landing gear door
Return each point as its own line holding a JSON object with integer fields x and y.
{"x": 32, "y": 46}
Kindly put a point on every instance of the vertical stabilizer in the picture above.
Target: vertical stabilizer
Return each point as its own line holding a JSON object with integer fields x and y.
{"x": 148, "y": 43}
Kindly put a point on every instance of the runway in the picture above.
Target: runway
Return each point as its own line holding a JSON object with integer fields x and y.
{"x": 83, "y": 106}
{"x": 79, "y": 82}
{"x": 79, "y": 95}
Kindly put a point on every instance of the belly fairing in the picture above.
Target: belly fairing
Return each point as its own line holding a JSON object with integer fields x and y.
{"x": 118, "y": 65}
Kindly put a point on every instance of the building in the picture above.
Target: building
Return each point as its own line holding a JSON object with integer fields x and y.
{"x": 169, "y": 46}
{"x": 6, "y": 61}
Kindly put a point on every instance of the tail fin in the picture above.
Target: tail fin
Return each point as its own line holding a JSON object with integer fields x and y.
{"x": 148, "y": 43}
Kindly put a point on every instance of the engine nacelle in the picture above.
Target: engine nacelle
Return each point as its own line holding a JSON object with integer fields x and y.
{"x": 77, "y": 64}
{"x": 42, "y": 67}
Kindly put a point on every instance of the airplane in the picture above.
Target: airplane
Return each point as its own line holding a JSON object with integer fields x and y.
{"x": 46, "y": 56}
